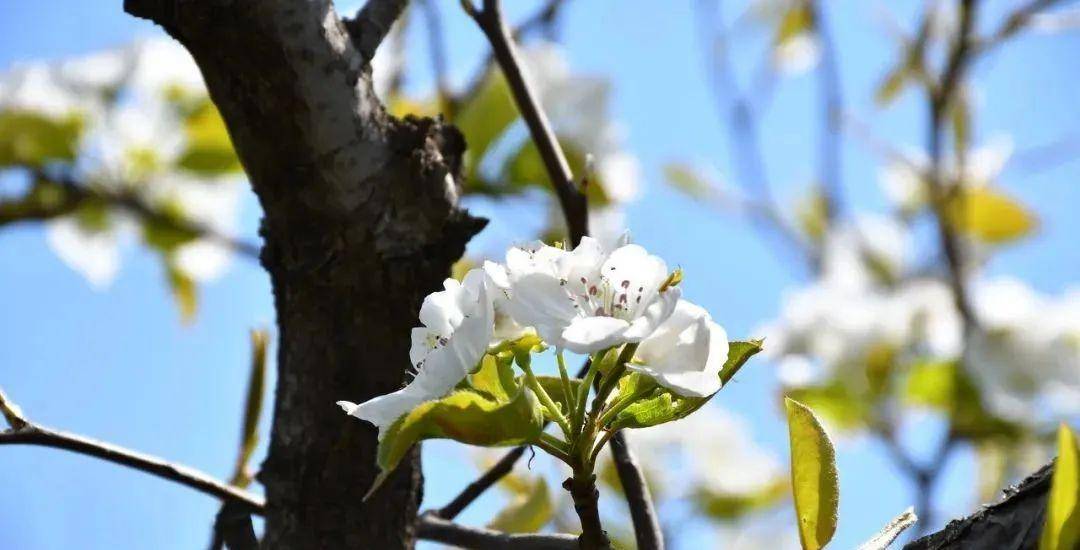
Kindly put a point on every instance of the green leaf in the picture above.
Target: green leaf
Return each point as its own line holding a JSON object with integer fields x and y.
{"x": 812, "y": 214}
{"x": 525, "y": 168}
{"x": 33, "y": 139}
{"x": 553, "y": 386}
{"x": 942, "y": 386}
{"x": 990, "y": 216}
{"x": 836, "y": 402}
{"x": 166, "y": 232}
{"x": 814, "y": 483}
{"x": 185, "y": 292}
{"x": 730, "y": 506}
{"x": 467, "y": 417}
{"x": 1062, "y": 528}
{"x": 494, "y": 378}
{"x": 209, "y": 150}
{"x": 527, "y": 514}
{"x": 686, "y": 179}
{"x": 483, "y": 117}
{"x": 666, "y": 406}
{"x": 249, "y": 436}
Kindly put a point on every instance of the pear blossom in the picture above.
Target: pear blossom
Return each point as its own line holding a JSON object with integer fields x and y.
{"x": 587, "y": 299}
{"x": 457, "y": 324}
{"x": 685, "y": 353}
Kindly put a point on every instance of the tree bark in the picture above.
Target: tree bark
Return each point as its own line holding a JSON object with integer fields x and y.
{"x": 360, "y": 222}
{"x": 1015, "y": 523}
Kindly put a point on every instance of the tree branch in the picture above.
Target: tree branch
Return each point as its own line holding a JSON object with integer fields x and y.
{"x": 433, "y": 527}
{"x": 647, "y": 529}
{"x": 832, "y": 101}
{"x": 571, "y": 199}
{"x": 1014, "y": 522}
{"x": 372, "y": 23}
{"x": 24, "y": 432}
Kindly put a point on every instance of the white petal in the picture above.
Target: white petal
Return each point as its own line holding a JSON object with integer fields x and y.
{"x": 539, "y": 299}
{"x": 95, "y": 255}
{"x": 589, "y": 334}
{"x": 440, "y": 311}
{"x": 686, "y": 353}
{"x": 654, "y": 315}
{"x": 384, "y": 410}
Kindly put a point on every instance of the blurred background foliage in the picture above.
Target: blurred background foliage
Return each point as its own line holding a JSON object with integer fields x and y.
{"x": 885, "y": 332}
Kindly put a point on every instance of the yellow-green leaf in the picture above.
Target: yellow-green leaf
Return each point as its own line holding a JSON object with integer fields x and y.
{"x": 526, "y": 514}
{"x": 34, "y": 139}
{"x": 892, "y": 85}
{"x": 730, "y": 506}
{"x": 467, "y": 417}
{"x": 1062, "y": 528}
{"x": 990, "y": 216}
{"x": 249, "y": 436}
{"x": 664, "y": 406}
{"x": 209, "y": 149}
{"x": 836, "y": 402}
{"x": 185, "y": 292}
{"x": 796, "y": 20}
{"x": 814, "y": 483}
{"x": 483, "y": 117}
{"x": 812, "y": 214}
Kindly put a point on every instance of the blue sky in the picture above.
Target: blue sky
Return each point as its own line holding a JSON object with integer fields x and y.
{"x": 118, "y": 364}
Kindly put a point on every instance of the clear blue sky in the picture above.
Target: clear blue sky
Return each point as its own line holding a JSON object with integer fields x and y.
{"x": 118, "y": 364}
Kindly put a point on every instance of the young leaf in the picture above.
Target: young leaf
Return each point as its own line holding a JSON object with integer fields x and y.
{"x": 813, "y": 476}
{"x": 665, "y": 406}
{"x": 684, "y": 178}
{"x": 990, "y": 216}
{"x": 185, "y": 292}
{"x": 209, "y": 149}
{"x": 467, "y": 417}
{"x": 33, "y": 139}
{"x": 249, "y": 437}
{"x": 1062, "y": 528}
{"x": 527, "y": 514}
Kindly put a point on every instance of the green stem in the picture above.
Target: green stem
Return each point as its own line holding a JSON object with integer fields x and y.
{"x": 622, "y": 403}
{"x": 583, "y": 397}
{"x": 599, "y": 445}
{"x": 566, "y": 387}
{"x": 610, "y": 381}
{"x": 554, "y": 447}
{"x": 525, "y": 362}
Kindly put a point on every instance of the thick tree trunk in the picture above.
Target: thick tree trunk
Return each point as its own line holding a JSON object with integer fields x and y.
{"x": 1015, "y": 523}
{"x": 360, "y": 223}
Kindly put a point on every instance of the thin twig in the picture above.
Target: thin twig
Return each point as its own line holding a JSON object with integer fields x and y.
{"x": 743, "y": 134}
{"x": 73, "y": 194}
{"x": 832, "y": 102}
{"x": 432, "y": 527}
{"x": 32, "y": 434}
{"x": 571, "y": 199}
{"x": 638, "y": 498}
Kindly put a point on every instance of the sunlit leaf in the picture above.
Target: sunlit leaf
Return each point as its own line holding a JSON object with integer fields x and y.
{"x": 527, "y": 514}
{"x": 941, "y": 385}
{"x": 483, "y": 117}
{"x": 796, "y": 20}
{"x": 814, "y": 482}
{"x": 665, "y": 406}
{"x": 525, "y": 168}
{"x": 836, "y": 402}
{"x": 209, "y": 149}
{"x": 467, "y": 417}
{"x": 812, "y": 214}
{"x": 892, "y": 85}
{"x": 401, "y": 105}
{"x": 729, "y": 506}
{"x": 33, "y": 139}
{"x": 256, "y": 389}
{"x": 1062, "y": 528}
{"x": 185, "y": 293}
{"x": 990, "y": 216}
{"x": 167, "y": 231}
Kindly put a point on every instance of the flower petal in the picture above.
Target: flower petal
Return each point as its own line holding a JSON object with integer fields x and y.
{"x": 654, "y": 315}
{"x": 589, "y": 334}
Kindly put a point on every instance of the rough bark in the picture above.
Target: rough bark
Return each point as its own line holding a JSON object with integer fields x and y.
{"x": 1015, "y": 523}
{"x": 360, "y": 222}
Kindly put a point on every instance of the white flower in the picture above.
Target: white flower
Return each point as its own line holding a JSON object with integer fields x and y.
{"x": 93, "y": 254}
{"x": 1026, "y": 355}
{"x": 685, "y": 353}
{"x": 457, "y": 327}
{"x": 586, "y": 299}
{"x": 162, "y": 64}
{"x": 858, "y": 254}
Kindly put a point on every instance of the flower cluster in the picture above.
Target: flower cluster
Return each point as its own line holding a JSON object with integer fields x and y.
{"x": 660, "y": 357}
{"x": 133, "y": 125}
{"x": 586, "y": 300}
